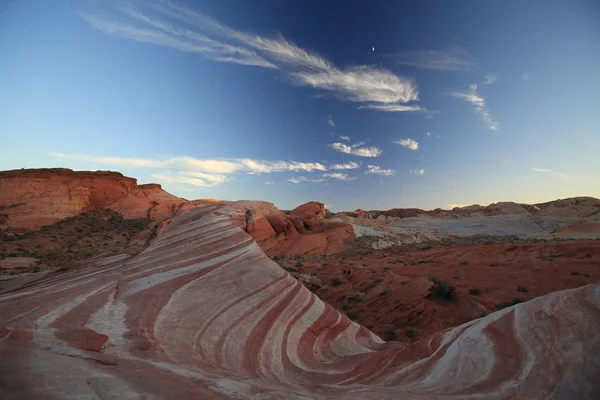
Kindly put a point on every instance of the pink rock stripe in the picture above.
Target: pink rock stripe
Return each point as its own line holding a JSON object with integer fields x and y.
{"x": 203, "y": 313}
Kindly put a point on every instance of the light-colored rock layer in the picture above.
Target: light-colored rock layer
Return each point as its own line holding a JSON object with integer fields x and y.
{"x": 203, "y": 313}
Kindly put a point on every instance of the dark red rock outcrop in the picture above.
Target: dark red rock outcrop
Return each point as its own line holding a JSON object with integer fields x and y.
{"x": 32, "y": 198}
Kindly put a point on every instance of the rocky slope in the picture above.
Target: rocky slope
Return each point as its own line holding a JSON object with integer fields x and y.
{"x": 32, "y": 198}
{"x": 575, "y": 207}
{"x": 203, "y": 313}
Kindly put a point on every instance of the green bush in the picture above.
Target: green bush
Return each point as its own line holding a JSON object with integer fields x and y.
{"x": 351, "y": 315}
{"x": 514, "y": 301}
{"x": 522, "y": 289}
{"x": 442, "y": 289}
{"x": 575, "y": 273}
{"x": 409, "y": 333}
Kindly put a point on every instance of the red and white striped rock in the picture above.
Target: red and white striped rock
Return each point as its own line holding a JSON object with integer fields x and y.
{"x": 203, "y": 313}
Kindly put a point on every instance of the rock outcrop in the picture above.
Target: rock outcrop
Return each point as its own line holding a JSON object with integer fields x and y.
{"x": 203, "y": 313}
{"x": 32, "y": 198}
{"x": 307, "y": 215}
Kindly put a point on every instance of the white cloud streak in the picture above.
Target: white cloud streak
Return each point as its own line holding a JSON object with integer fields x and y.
{"x": 374, "y": 169}
{"x": 190, "y": 164}
{"x": 182, "y": 179}
{"x": 346, "y": 138}
{"x": 448, "y": 60}
{"x": 198, "y": 33}
{"x": 350, "y": 165}
{"x": 339, "y": 176}
{"x": 392, "y": 107}
{"x": 479, "y": 103}
{"x": 546, "y": 170}
{"x": 330, "y": 120}
{"x": 489, "y": 79}
{"x": 409, "y": 143}
{"x": 357, "y": 151}
{"x": 302, "y": 179}
{"x": 417, "y": 171}
{"x": 428, "y": 134}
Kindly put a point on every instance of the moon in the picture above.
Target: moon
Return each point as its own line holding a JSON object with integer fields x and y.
{"x": 372, "y": 48}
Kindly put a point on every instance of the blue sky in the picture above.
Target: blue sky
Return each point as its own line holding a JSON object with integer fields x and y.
{"x": 392, "y": 104}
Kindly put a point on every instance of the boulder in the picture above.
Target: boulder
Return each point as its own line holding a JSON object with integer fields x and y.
{"x": 309, "y": 213}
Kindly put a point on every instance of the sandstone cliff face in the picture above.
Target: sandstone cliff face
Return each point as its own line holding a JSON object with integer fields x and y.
{"x": 32, "y": 198}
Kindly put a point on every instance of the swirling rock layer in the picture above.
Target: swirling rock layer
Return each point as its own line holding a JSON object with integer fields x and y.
{"x": 203, "y": 313}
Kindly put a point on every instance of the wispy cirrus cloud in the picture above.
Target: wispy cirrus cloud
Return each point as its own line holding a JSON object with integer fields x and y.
{"x": 442, "y": 60}
{"x": 182, "y": 179}
{"x": 339, "y": 176}
{"x": 346, "y": 138}
{"x": 330, "y": 120}
{"x": 350, "y": 165}
{"x": 547, "y": 170}
{"x": 408, "y": 143}
{"x": 488, "y": 79}
{"x": 357, "y": 151}
{"x": 417, "y": 171}
{"x": 392, "y": 107}
{"x": 186, "y": 163}
{"x": 302, "y": 179}
{"x": 374, "y": 169}
{"x": 171, "y": 25}
{"x": 269, "y": 182}
{"x": 479, "y": 103}
{"x": 428, "y": 134}
{"x": 199, "y": 172}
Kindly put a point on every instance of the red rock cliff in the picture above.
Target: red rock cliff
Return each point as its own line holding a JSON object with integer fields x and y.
{"x": 30, "y": 198}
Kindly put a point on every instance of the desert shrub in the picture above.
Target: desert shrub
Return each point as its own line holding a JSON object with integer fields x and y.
{"x": 426, "y": 261}
{"x": 586, "y": 275}
{"x": 378, "y": 280}
{"x": 385, "y": 292}
{"x": 514, "y": 301}
{"x": 390, "y": 335}
{"x": 299, "y": 264}
{"x": 409, "y": 333}
{"x": 12, "y": 255}
{"x": 575, "y": 273}
{"x": 351, "y": 315}
{"x": 522, "y": 289}
{"x": 465, "y": 262}
{"x": 474, "y": 291}
{"x": 346, "y": 306}
{"x": 355, "y": 298}
{"x": 373, "y": 271}
{"x": 443, "y": 289}
{"x": 364, "y": 265}
{"x": 336, "y": 282}
{"x": 290, "y": 269}
{"x": 482, "y": 314}
{"x": 386, "y": 269}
